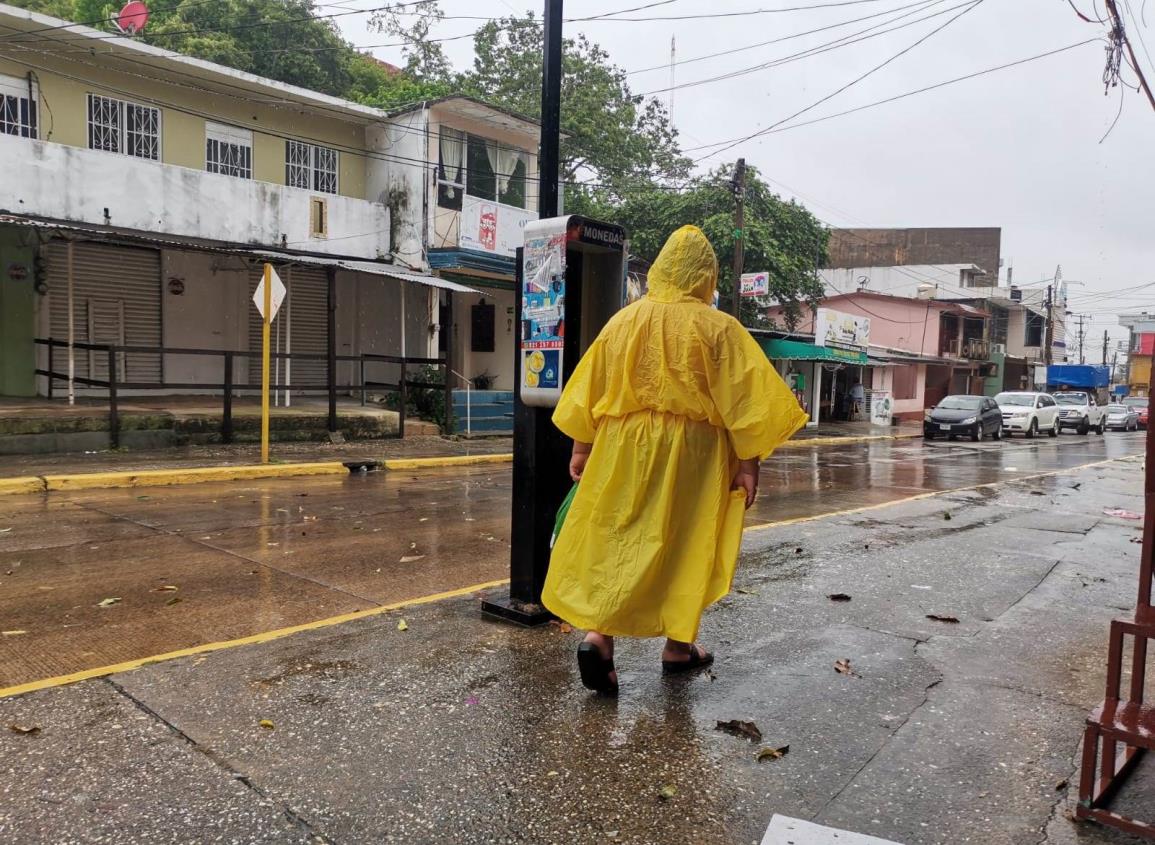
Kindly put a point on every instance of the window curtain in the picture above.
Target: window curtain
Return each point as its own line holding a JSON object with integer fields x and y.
{"x": 503, "y": 161}
{"x": 452, "y": 155}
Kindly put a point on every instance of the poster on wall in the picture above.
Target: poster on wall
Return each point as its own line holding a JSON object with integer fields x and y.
{"x": 881, "y": 407}
{"x": 841, "y": 331}
{"x": 543, "y": 312}
{"x": 490, "y": 227}
{"x": 755, "y": 284}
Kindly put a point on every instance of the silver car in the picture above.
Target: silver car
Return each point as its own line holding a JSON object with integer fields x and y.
{"x": 1122, "y": 418}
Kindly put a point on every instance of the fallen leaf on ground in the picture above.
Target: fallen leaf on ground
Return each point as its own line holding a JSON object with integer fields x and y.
{"x": 551, "y": 774}
{"x": 174, "y": 600}
{"x": 1122, "y": 513}
{"x": 1061, "y": 785}
{"x": 737, "y": 727}
{"x": 667, "y": 792}
{"x": 838, "y": 597}
{"x": 24, "y": 729}
{"x": 798, "y": 551}
{"x": 746, "y": 592}
{"x": 772, "y": 753}
{"x": 109, "y": 602}
{"x": 412, "y": 558}
{"x": 566, "y": 628}
{"x": 4, "y": 530}
{"x": 947, "y": 516}
{"x": 842, "y": 667}
{"x": 950, "y": 620}
{"x": 12, "y": 633}
{"x": 1137, "y": 540}
{"x": 266, "y": 724}
{"x": 402, "y": 625}
{"x": 167, "y": 588}
{"x": 142, "y": 498}
{"x": 1038, "y": 493}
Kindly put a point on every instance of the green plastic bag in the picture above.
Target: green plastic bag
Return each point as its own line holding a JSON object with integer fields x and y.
{"x": 561, "y": 515}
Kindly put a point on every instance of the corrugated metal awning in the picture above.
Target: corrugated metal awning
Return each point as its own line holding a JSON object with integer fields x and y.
{"x": 371, "y": 267}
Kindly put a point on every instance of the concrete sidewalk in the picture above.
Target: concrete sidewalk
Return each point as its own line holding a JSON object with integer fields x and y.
{"x": 450, "y": 728}
{"x": 193, "y": 464}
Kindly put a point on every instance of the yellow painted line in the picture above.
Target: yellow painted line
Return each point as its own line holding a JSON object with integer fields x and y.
{"x": 188, "y": 475}
{"x": 455, "y": 461}
{"x": 802, "y": 443}
{"x": 264, "y": 637}
{"x": 935, "y": 493}
{"x": 27, "y": 484}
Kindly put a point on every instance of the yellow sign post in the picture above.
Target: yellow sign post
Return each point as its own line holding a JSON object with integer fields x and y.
{"x": 268, "y": 297}
{"x": 266, "y": 325}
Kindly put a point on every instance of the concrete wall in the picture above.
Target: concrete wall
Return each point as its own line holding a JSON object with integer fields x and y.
{"x": 498, "y": 363}
{"x": 18, "y": 304}
{"x": 65, "y": 84}
{"x": 204, "y": 305}
{"x": 905, "y": 408}
{"x": 397, "y": 179}
{"x": 71, "y": 183}
{"x": 889, "y": 247}
{"x": 911, "y": 325}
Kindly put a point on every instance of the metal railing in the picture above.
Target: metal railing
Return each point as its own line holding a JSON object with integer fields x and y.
{"x": 972, "y": 349}
{"x": 229, "y": 386}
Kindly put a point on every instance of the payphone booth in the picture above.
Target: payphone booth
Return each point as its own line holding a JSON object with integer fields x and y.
{"x": 571, "y": 278}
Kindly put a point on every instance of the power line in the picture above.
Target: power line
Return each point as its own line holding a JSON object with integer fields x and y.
{"x": 848, "y": 85}
{"x": 838, "y": 43}
{"x": 876, "y": 103}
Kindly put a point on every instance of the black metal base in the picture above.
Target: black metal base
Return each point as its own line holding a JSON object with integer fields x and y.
{"x": 506, "y": 609}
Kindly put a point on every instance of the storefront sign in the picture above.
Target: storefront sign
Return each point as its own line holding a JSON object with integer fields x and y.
{"x": 543, "y": 312}
{"x": 492, "y": 227}
{"x": 844, "y": 331}
{"x": 755, "y": 284}
{"x": 881, "y": 407}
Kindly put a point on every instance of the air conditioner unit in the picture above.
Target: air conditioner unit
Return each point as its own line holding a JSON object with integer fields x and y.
{"x": 1016, "y": 295}
{"x": 998, "y": 349}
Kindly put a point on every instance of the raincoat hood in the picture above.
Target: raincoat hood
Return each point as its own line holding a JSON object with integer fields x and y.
{"x": 686, "y": 268}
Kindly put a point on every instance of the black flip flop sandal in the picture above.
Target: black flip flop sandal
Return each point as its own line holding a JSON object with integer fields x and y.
{"x": 699, "y": 659}
{"x": 595, "y": 670}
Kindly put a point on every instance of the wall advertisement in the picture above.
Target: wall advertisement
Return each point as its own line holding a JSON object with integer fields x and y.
{"x": 543, "y": 312}
{"x": 841, "y": 331}
{"x": 491, "y": 227}
{"x": 881, "y": 407}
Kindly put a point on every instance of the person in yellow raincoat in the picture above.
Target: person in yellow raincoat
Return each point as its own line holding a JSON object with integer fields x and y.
{"x": 670, "y": 411}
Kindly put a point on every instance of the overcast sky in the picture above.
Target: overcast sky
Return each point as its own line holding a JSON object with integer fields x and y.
{"x": 1018, "y": 149}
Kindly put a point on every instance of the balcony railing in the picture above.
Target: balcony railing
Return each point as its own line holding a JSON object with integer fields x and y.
{"x": 972, "y": 349}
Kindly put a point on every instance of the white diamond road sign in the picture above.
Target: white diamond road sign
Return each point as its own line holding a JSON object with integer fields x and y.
{"x": 277, "y": 298}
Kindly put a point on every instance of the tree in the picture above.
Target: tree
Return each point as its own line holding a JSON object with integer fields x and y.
{"x": 781, "y": 238}
{"x": 613, "y": 139}
{"x": 425, "y": 59}
{"x": 278, "y": 39}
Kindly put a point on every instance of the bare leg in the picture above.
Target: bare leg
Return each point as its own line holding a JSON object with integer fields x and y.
{"x": 679, "y": 652}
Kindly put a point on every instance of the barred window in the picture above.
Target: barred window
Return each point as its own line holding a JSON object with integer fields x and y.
{"x": 117, "y": 126}
{"x": 228, "y": 150}
{"x": 310, "y": 167}
{"x": 17, "y": 108}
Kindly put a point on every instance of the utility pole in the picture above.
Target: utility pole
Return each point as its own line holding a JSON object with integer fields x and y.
{"x": 739, "y": 185}
{"x": 1117, "y": 27}
{"x": 548, "y": 165}
{"x": 1082, "y": 337}
{"x": 1048, "y": 327}
{"x": 1106, "y": 340}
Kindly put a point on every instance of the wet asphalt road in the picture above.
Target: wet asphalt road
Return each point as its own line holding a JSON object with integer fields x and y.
{"x": 212, "y": 562}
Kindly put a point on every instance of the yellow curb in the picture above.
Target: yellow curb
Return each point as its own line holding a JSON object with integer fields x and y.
{"x": 264, "y": 637}
{"x": 27, "y": 484}
{"x": 190, "y": 475}
{"x": 839, "y": 441}
{"x": 456, "y": 461}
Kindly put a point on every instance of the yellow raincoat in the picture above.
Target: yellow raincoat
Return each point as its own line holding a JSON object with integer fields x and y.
{"x": 672, "y": 394}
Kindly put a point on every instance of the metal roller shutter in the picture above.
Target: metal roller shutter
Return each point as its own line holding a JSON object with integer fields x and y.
{"x": 306, "y": 307}
{"x": 116, "y": 300}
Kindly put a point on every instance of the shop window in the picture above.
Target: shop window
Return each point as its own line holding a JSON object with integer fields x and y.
{"x": 906, "y": 382}
{"x": 483, "y": 328}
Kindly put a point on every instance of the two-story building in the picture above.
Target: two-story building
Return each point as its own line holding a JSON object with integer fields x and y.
{"x": 143, "y": 191}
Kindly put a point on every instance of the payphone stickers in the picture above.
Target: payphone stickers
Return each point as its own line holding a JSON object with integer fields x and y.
{"x": 543, "y": 310}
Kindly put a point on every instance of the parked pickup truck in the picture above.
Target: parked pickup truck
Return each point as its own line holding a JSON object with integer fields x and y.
{"x": 1080, "y": 410}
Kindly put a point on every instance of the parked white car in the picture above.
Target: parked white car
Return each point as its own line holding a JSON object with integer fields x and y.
{"x": 1029, "y": 413}
{"x": 1080, "y": 410}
